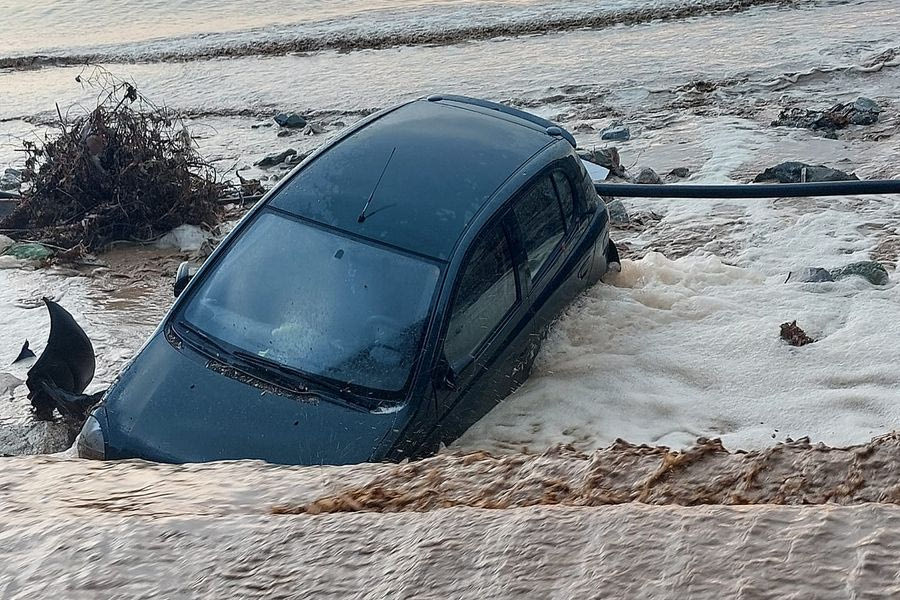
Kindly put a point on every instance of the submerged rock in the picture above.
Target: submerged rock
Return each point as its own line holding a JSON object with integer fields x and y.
{"x": 792, "y": 172}
{"x": 810, "y": 275}
{"x": 276, "y": 159}
{"x": 862, "y": 111}
{"x": 680, "y": 172}
{"x": 617, "y": 213}
{"x": 292, "y": 120}
{"x": 617, "y": 132}
{"x": 313, "y": 129}
{"x": 871, "y": 271}
{"x": 647, "y": 176}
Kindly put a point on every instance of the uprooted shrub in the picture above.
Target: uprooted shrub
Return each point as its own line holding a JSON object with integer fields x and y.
{"x": 126, "y": 170}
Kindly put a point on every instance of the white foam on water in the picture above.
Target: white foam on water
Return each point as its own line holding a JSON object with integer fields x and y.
{"x": 670, "y": 351}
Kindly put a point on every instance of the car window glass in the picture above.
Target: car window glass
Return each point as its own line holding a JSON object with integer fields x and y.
{"x": 486, "y": 292}
{"x": 565, "y": 194}
{"x": 541, "y": 223}
{"x": 313, "y": 300}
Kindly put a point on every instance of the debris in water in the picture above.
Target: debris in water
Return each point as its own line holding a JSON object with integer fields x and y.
{"x": 271, "y": 160}
{"x": 793, "y": 335}
{"x": 24, "y": 353}
{"x": 28, "y": 251}
{"x": 127, "y": 170}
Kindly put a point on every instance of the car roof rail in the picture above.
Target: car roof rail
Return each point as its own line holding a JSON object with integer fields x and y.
{"x": 549, "y": 126}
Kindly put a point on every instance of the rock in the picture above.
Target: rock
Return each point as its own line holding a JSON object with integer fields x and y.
{"x": 809, "y": 275}
{"x": 862, "y": 111}
{"x": 795, "y": 336}
{"x": 276, "y": 159}
{"x": 871, "y": 271}
{"x": 11, "y": 179}
{"x": 617, "y": 213}
{"x": 647, "y": 176}
{"x": 285, "y": 133}
{"x": 608, "y": 158}
{"x": 617, "y": 132}
{"x": 583, "y": 128}
{"x": 313, "y": 129}
{"x": 792, "y": 172}
{"x": 28, "y": 251}
{"x": 5, "y": 242}
{"x": 292, "y": 120}
{"x": 680, "y": 172}
{"x": 864, "y": 104}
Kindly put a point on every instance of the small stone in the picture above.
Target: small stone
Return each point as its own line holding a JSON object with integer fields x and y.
{"x": 616, "y": 132}
{"x": 794, "y": 336}
{"x": 680, "y": 172}
{"x": 810, "y": 275}
{"x": 617, "y": 213}
{"x": 276, "y": 159}
{"x": 647, "y": 176}
{"x": 792, "y": 172}
{"x": 292, "y": 120}
{"x": 313, "y": 129}
{"x": 871, "y": 271}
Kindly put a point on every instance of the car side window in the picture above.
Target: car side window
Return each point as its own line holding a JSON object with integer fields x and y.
{"x": 486, "y": 293}
{"x": 566, "y": 198}
{"x": 541, "y": 223}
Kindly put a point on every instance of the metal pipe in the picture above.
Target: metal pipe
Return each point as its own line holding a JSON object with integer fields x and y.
{"x": 759, "y": 190}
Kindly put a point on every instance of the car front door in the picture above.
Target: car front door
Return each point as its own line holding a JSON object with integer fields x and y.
{"x": 486, "y": 333}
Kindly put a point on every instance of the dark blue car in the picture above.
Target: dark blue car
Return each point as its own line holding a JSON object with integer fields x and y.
{"x": 383, "y": 298}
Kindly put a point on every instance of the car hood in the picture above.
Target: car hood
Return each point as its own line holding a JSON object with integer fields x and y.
{"x": 168, "y": 405}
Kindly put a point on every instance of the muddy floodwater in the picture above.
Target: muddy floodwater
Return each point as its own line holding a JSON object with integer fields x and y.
{"x": 668, "y": 445}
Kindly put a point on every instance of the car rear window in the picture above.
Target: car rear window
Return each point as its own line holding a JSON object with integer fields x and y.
{"x": 318, "y": 302}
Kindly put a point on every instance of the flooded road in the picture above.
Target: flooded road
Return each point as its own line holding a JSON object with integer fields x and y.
{"x": 682, "y": 345}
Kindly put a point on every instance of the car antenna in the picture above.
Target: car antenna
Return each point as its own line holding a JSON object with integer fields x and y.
{"x": 362, "y": 215}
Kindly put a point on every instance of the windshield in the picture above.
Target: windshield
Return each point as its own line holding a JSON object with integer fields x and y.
{"x": 318, "y": 302}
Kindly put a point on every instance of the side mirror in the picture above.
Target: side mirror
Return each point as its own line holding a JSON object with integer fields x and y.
{"x": 183, "y": 276}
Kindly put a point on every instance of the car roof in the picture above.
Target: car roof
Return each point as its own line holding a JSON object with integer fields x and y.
{"x": 432, "y": 164}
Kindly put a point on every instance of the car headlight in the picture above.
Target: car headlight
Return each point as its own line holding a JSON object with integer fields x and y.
{"x": 90, "y": 442}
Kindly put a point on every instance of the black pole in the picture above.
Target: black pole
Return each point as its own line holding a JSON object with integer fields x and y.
{"x": 758, "y": 190}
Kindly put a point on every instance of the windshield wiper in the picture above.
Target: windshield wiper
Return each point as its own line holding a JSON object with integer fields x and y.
{"x": 206, "y": 338}
{"x": 269, "y": 365}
